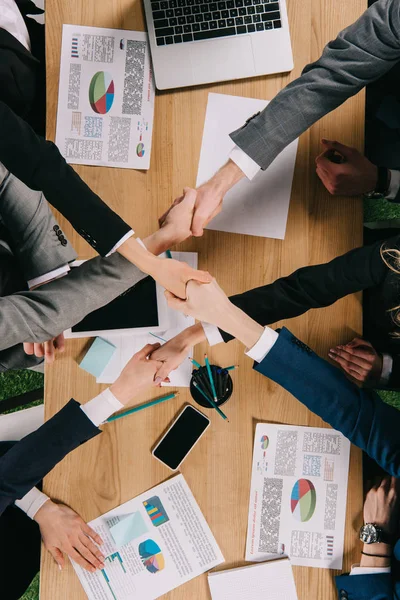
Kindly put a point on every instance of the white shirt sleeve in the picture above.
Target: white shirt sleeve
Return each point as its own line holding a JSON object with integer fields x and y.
{"x": 394, "y": 184}
{"x": 260, "y": 350}
{"x": 357, "y": 570}
{"x": 12, "y": 21}
{"x": 126, "y": 237}
{"x": 246, "y": 164}
{"x": 31, "y": 502}
{"x": 100, "y": 408}
{"x": 42, "y": 279}
{"x": 387, "y": 367}
{"x": 212, "y": 334}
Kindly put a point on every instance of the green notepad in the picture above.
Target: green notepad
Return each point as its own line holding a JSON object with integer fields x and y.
{"x": 97, "y": 357}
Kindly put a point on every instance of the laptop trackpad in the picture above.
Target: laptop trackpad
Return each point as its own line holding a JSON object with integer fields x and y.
{"x": 222, "y": 59}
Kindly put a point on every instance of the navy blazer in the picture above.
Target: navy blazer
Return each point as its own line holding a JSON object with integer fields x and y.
{"x": 359, "y": 414}
{"x": 28, "y": 461}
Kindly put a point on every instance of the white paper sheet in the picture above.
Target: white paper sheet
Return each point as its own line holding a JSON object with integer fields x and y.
{"x": 265, "y": 581}
{"x": 258, "y": 207}
{"x": 177, "y": 547}
{"x": 298, "y": 495}
{"x": 128, "y": 346}
{"x": 106, "y": 97}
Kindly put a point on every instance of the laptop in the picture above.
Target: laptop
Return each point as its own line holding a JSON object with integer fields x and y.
{"x": 196, "y": 41}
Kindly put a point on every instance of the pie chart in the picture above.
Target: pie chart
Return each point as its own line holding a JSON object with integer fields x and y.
{"x": 264, "y": 442}
{"x": 303, "y": 500}
{"x": 101, "y": 92}
{"x": 151, "y": 555}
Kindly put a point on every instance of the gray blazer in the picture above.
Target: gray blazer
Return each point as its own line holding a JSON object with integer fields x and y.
{"x": 360, "y": 54}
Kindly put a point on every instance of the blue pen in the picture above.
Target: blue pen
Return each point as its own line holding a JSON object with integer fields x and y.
{"x": 211, "y": 378}
{"x": 141, "y": 407}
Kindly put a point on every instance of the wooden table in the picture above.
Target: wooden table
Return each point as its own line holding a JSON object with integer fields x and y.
{"x": 118, "y": 465}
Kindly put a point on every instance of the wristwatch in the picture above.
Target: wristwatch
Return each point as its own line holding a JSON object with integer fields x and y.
{"x": 382, "y": 185}
{"x": 373, "y": 534}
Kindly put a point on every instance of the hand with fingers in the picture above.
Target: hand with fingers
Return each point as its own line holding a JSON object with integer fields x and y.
{"x": 46, "y": 349}
{"x": 139, "y": 374}
{"x": 63, "y": 531}
{"x": 175, "y": 223}
{"x": 344, "y": 171}
{"x": 359, "y": 359}
{"x": 174, "y": 352}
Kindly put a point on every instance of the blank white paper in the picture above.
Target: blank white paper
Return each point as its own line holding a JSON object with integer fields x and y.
{"x": 258, "y": 207}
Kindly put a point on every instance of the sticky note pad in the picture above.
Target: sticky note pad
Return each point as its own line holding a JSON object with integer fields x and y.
{"x": 130, "y": 527}
{"x": 97, "y": 357}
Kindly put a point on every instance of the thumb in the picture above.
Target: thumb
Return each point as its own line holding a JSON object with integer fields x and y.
{"x": 58, "y": 557}
{"x": 344, "y": 150}
{"x": 162, "y": 372}
{"x": 189, "y": 197}
{"x": 174, "y": 302}
{"x": 148, "y": 349}
{"x": 198, "y": 223}
{"x": 200, "y": 276}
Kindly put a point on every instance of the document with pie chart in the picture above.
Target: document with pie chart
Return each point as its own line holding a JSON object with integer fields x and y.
{"x": 105, "y": 98}
{"x": 152, "y": 544}
{"x": 298, "y": 495}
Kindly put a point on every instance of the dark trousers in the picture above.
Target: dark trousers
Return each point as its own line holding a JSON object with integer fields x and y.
{"x": 19, "y": 548}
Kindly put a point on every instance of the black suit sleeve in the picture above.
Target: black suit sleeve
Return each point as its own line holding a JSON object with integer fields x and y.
{"x": 28, "y": 461}
{"x": 314, "y": 287}
{"x": 39, "y": 164}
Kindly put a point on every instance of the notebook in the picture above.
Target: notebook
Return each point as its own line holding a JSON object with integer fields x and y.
{"x": 271, "y": 580}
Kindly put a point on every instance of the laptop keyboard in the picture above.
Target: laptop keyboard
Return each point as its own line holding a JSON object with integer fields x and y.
{"x": 177, "y": 21}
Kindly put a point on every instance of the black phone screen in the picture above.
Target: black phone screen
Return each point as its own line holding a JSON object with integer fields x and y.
{"x": 182, "y": 436}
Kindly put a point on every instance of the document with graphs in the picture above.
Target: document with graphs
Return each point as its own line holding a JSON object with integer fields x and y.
{"x": 298, "y": 495}
{"x": 105, "y": 98}
{"x": 152, "y": 544}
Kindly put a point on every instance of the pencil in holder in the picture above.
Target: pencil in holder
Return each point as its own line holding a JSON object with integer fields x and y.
{"x": 222, "y": 382}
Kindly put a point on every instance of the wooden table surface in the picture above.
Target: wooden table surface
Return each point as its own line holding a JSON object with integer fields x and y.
{"x": 118, "y": 465}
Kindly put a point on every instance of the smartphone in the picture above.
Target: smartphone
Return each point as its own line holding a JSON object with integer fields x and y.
{"x": 181, "y": 437}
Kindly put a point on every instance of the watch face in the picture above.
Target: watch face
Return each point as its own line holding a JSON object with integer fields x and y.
{"x": 369, "y": 534}
{"x": 374, "y": 195}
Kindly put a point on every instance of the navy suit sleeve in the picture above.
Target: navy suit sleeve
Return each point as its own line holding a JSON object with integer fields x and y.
{"x": 365, "y": 587}
{"x": 28, "y": 461}
{"x": 359, "y": 414}
{"x": 39, "y": 164}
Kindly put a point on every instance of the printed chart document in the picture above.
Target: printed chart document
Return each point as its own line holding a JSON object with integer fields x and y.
{"x": 153, "y": 544}
{"x": 298, "y": 495}
{"x": 106, "y": 98}
{"x": 257, "y": 207}
{"x": 128, "y": 346}
{"x": 265, "y": 581}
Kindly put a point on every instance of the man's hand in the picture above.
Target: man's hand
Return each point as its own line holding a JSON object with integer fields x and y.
{"x": 138, "y": 375}
{"x": 63, "y": 530}
{"x": 359, "y": 359}
{"x": 344, "y": 171}
{"x": 173, "y": 275}
{"x": 175, "y": 351}
{"x": 381, "y": 505}
{"x": 209, "y": 197}
{"x": 46, "y": 349}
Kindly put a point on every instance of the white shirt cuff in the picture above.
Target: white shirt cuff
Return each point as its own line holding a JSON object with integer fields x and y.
{"x": 100, "y": 408}
{"x": 387, "y": 367}
{"x": 357, "y": 570}
{"x": 260, "y": 350}
{"x": 246, "y": 164}
{"x": 212, "y": 334}
{"x": 394, "y": 184}
{"x": 121, "y": 241}
{"x": 31, "y": 502}
{"x": 42, "y": 279}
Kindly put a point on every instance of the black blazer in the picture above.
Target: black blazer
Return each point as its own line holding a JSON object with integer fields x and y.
{"x": 28, "y": 461}
{"x": 23, "y": 73}
{"x": 321, "y": 285}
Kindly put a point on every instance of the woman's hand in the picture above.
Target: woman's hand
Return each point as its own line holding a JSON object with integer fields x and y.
{"x": 46, "y": 349}
{"x": 359, "y": 359}
{"x": 138, "y": 375}
{"x": 174, "y": 276}
{"x": 175, "y": 351}
{"x": 63, "y": 530}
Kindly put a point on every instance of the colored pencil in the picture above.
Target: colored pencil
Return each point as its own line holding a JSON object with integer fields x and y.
{"x": 210, "y": 377}
{"x": 202, "y": 380}
{"x": 218, "y": 379}
{"x": 157, "y": 336}
{"x": 168, "y": 253}
{"x": 231, "y": 368}
{"x": 194, "y": 362}
{"x": 142, "y": 407}
{"x": 223, "y": 415}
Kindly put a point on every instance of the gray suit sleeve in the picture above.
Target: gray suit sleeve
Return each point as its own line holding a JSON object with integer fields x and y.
{"x": 38, "y": 315}
{"x": 359, "y": 55}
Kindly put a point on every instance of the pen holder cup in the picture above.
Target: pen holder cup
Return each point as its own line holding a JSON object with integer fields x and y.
{"x": 222, "y": 381}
